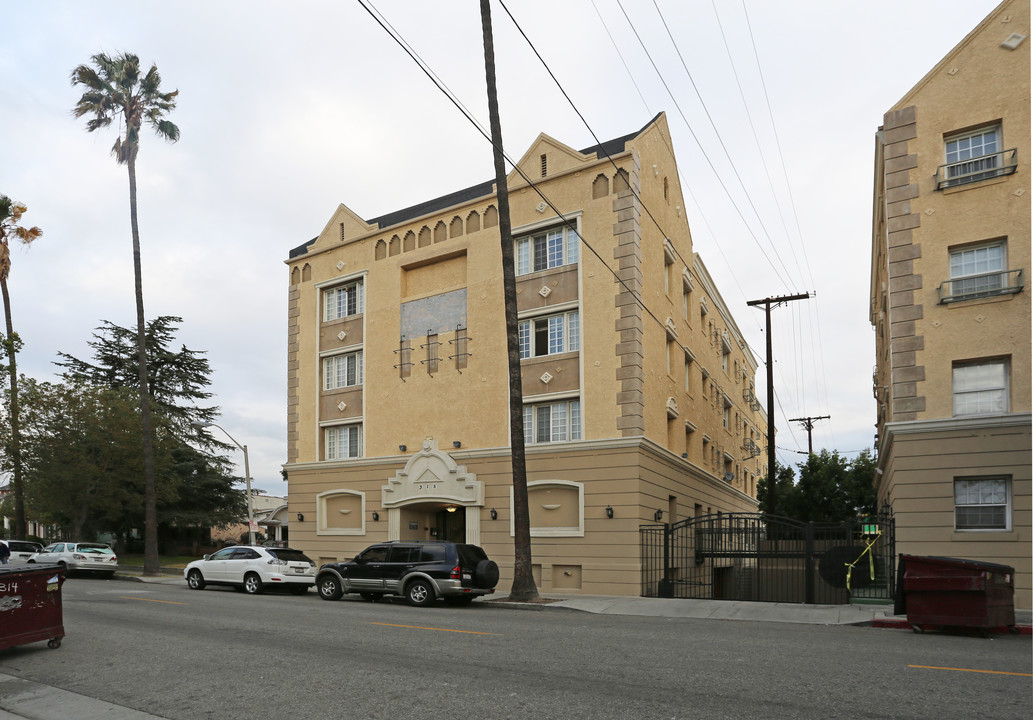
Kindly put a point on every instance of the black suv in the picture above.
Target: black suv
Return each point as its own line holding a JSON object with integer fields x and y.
{"x": 418, "y": 571}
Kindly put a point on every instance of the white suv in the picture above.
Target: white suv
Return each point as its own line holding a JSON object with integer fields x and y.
{"x": 21, "y": 550}
{"x": 253, "y": 568}
{"x": 78, "y": 556}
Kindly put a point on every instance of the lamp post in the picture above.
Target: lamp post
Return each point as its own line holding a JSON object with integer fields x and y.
{"x": 247, "y": 479}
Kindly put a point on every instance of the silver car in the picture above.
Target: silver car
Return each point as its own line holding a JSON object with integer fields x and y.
{"x": 79, "y": 556}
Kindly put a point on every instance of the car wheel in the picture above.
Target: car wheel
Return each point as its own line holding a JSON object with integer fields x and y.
{"x": 487, "y": 574}
{"x": 299, "y": 589}
{"x": 329, "y": 588}
{"x": 195, "y": 580}
{"x": 459, "y": 600}
{"x": 419, "y": 593}
{"x": 252, "y": 584}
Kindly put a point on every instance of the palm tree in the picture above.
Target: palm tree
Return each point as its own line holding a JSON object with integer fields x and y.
{"x": 116, "y": 88}
{"x": 10, "y": 213}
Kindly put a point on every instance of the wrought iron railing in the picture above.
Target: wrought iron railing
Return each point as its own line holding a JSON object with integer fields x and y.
{"x": 970, "y": 287}
{"x": 977, "y": 168}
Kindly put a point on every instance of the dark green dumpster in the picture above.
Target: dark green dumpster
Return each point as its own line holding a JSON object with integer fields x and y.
{"x": 30, "y": 605}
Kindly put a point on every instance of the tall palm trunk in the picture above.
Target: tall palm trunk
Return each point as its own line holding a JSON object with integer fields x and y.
{"x": 524, "y": 588}
{"x": 150, "y": 521}
{"x": 15, "y": 448}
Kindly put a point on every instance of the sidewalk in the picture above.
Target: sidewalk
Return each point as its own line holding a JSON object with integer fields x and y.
{"x": 876, "y": 615}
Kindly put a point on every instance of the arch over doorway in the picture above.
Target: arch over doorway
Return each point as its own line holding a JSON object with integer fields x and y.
{"x": 433, "y": 498}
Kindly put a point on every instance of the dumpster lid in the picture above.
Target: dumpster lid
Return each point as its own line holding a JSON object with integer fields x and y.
{"x": 29, "y": 569}
{"x": 957, "y": 562}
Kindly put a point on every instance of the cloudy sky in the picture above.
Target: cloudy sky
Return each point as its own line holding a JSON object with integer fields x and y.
{"x": 288, "y": 109}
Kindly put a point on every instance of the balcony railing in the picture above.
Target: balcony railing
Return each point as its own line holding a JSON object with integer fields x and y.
{"x": 976, "y": 169}
{"x": 970, "y": 287}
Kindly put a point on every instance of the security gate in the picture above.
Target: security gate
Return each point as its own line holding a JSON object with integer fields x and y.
{"x": 766, "y": 558}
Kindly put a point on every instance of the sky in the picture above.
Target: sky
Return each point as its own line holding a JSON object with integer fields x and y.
{"x": 287, "y": 110}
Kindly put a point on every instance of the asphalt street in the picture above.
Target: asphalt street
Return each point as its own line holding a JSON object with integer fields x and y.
{"x": 174, "y": 653}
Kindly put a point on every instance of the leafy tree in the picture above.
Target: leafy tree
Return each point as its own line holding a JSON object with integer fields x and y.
{"x": 10, "y": 229}
{"x": 197, "y": 487}
{"x": 784, "y": 481}
{"x": 82, "y": 457}
{"x": 830, "y": 488}
{"x": 115, "y": 87}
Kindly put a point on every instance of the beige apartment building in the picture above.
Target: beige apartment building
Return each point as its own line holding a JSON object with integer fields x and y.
{"x": 638, "y": 386}
{"x": 950, "y": 306}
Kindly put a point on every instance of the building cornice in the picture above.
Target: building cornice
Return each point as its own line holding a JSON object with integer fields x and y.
{"x": 952, "y": 424}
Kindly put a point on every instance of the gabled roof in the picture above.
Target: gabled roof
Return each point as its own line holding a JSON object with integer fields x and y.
{"x": 603, "y": 149}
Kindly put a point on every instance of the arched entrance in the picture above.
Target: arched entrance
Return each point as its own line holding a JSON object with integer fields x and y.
{"x": 433, "y": 498}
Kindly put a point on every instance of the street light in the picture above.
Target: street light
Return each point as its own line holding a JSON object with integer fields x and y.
{"x": 247, "y": 479}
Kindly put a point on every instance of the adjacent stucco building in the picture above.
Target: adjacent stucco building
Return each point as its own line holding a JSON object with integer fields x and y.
{"x": 950, "y": 306}
{"x": 638, "y": 386}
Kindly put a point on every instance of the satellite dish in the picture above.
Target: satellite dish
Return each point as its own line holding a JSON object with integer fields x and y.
{"x": 729, "y": 477}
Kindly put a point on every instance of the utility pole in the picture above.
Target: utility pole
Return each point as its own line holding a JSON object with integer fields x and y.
{"x": 808, "y": 424}
{"x": 524, "y": 588}
{"x": 768, "y": 303}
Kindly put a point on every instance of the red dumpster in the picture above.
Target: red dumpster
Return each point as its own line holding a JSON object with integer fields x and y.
{"x": 30, "y": 605}
{"x": 953, "y": 592}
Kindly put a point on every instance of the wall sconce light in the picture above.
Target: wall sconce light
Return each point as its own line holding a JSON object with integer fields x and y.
{"x": 452, "y": 508}
{"x": 494, "y": 514}
{"x": 658, "y": 515}
{"x": 376, "y": 516}
{"x": 301, "y": 518}
{"x": 609, "y": 512}
{"x": 684, "y": 455}
{"x": 456, "y": 444}
{"x": 401, "y": 448}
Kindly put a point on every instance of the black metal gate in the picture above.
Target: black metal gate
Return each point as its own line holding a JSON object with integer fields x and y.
{"x": 766, "y": 558}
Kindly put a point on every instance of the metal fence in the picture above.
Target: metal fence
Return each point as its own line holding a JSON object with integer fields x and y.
{"x": 766, "y": 558}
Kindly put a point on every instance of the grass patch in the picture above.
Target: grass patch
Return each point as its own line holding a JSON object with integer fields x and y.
{"x": 165, "y": 561}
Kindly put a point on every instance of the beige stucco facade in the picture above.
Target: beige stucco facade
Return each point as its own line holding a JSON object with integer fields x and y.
{"x": 638, "y": 382}
{"x": 950, "y": 306}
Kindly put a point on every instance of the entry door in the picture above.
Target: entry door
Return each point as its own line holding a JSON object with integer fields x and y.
{"x": 451, "y": 525}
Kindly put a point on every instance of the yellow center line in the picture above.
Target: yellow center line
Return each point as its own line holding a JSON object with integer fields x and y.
{"x": 988, "y": 672}
{"x": 167, "y": 602}
{"x": 418, "y": 627}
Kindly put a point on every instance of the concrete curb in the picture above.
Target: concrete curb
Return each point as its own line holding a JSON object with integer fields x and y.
{"x": 898, "y": 624}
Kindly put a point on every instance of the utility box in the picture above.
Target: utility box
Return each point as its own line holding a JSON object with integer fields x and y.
{"x": 953, "y": 592}
{"x": 30, "y": 605}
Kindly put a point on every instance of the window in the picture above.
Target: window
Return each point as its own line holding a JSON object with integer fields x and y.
{"x": 973, "y": 146}
{"x": 974, "y": 155}
{"x": 342, "y": 301}
{"x": 977, "y": 271}
{"x": 545, "y": 250}
{"x": 982, "y": 503}
{"x": 549, "y": 335}
{"x": 342, "y": 371}
{"x": 981, "y": 388}
{"x": 343, "y": 441}
{"x": 552, "y": 422}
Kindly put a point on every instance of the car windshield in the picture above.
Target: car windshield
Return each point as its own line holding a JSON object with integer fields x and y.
{"x": 87, "y": 548}
{"x": 289, "y": 555}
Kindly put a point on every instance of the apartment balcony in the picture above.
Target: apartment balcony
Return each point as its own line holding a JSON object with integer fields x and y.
{"x": 971, "y": 287}
{"x": 975, "y": 169}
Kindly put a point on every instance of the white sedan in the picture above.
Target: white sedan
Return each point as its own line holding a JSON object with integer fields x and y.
{"x": 253, "y": 568}
{"x": 78, "y": 556}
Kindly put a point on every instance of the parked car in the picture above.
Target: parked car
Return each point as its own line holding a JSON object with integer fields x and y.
{"x": 21, "y": 550}
{"x": 79, "y": 556}
{"x": 420, "y": 572}
{"x": 252, "y": 569}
